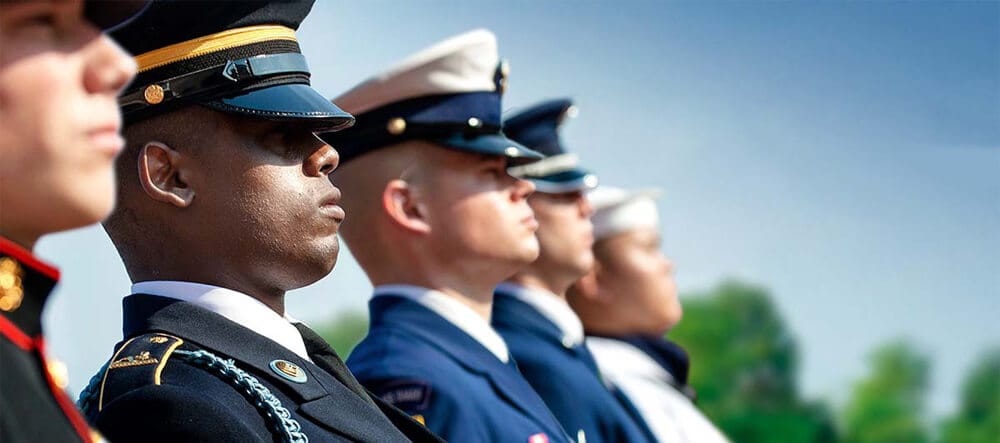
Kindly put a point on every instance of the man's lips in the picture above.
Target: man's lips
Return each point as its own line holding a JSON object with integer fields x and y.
{"x": 329, "y": 206}
{"x": 107, "y": 139}
{"x": 530, "y": 222}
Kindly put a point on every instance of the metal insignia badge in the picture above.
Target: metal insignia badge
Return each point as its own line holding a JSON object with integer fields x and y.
{"x": 289, "y": 371}
{"x": 134, "y": 360}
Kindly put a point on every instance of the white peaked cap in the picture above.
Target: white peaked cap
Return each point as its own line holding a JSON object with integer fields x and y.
{"x": 617, "y": 210}
{"x": 463, "y": 63}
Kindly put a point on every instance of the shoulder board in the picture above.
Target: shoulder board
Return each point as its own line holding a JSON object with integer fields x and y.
{"x": 137, "y": 363}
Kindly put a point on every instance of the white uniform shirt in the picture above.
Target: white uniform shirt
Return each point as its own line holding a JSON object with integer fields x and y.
{"x": 668, "y": 413}
{"x": 455, "y": 313}
{"x": 238, "y": 307}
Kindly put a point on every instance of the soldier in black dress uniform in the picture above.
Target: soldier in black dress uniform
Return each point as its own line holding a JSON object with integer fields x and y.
{"x": 58, "y": 136}
{"x": 224, "y": 205}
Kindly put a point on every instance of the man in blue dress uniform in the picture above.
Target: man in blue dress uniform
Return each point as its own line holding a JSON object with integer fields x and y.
{"x": 436, "y": 223}
{"x": 530, "y": 310}
{"x": 59, "y": 124}
{"x": 224, "y": 205}
{"x": 627, "y": 302}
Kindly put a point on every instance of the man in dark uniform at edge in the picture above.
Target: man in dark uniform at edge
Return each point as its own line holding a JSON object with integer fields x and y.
{"x": 59, "y": 127}
{"x": 225, "y": 205}
{"x": 437, "y": 223}
{"x": 530, "y": 311}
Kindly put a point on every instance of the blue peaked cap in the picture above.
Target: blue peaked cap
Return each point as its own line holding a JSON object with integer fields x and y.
{"x": 537, "y": 127}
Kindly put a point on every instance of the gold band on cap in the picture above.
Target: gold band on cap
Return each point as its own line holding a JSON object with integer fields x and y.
{"x": 212, "y": 43}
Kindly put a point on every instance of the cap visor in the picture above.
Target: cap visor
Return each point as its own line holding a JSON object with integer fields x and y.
{"x": 572, "y": 180}
{"x": 492, "y": 144}
{"x": 288, "y": 102}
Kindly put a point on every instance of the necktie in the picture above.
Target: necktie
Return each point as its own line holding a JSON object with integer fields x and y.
{"x": 325, "y": 357}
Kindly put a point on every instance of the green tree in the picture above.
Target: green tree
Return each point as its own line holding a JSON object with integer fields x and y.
{"x": 978, "y": 417}
{"x": 887, "y": 405}
{"x": 744, "y": 367}
{"x": 344, "y": 331}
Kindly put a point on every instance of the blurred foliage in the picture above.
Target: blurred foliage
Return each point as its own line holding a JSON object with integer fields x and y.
{"x": 744, "y": 367}
{"x": 978, "y": 417}
{"x": 344, "y": 331}
{"x": 887, "y": 406}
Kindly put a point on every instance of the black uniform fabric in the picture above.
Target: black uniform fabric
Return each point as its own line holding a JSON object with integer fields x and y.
{"x": 190, "y": 403}
{"x": 30, "y": 409}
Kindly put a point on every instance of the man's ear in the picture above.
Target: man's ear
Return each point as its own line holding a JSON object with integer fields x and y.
{"x": 162, "y": 177}
{"x": 399, "y": 202}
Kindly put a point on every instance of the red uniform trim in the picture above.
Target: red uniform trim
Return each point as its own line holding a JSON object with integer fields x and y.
{"x": 25, "y": 256}
{"x": 67, "y": 406}
{"x": 15, "y": 335}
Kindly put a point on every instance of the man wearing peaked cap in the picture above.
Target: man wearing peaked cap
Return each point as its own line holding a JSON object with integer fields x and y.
{"x": 627, "y": 302}
{"x": 530, "y": 310}
{"x": 436, "y": 223}
{"x": 224, "y": 205}
{"x": 59, "y": 125}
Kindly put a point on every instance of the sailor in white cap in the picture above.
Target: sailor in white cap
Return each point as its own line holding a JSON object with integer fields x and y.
{"x": 436, "y": 222}
{"x": 627, "y": 303}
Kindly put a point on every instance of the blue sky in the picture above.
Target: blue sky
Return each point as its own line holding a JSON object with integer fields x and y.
{"x": 845, "y": 155}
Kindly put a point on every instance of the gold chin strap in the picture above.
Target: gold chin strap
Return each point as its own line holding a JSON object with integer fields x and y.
{"x": 212, "y": 43}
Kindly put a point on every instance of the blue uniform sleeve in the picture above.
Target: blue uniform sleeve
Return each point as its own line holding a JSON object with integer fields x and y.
{"x": 440, "y": 409}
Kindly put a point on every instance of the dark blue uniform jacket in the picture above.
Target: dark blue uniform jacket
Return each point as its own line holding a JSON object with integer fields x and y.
{"x": 175, "y": 399}
{"x": 567, "y": 378}
{"x": 423, "y": 364}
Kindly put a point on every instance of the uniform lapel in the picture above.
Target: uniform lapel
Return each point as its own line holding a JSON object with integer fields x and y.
{"x": 410, "y": 316}
{"x": 325, "y": 357}
{"x": 322, "y": 397}
{"x": 512, "y": 314}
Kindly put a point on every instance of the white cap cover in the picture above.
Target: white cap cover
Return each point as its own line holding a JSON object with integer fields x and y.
{"x": 617, "y": 210}
{"x": 463, "y": 63}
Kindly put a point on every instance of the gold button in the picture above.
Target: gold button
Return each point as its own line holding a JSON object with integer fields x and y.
{"x": 11, "y": 284}
{"x": 396, "y": 126}
{"x": 58, "y": 372}
{"x": 475, "y": 122}
{"x": 153, "y": 94}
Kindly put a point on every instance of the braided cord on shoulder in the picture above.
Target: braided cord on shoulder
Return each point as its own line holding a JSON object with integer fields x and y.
{"x": 278, "y": 417}
{"x": 89, "y": 394}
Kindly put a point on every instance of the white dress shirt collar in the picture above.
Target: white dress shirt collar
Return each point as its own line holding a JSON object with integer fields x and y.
{"x": 235, "y": 306}
{"x": 454, "y": 312}
{"x": 551, "y": 307}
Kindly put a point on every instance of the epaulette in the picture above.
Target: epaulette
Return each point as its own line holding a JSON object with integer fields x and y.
{"x": 137, "y": 363}
{"x": 140, "y": 362}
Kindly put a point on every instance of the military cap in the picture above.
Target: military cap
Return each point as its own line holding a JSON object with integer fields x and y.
{"x": 448, "y": 94}
{"x": 617, "y": 210}
{"x": 235, "y": 57}
{"x": 537, "y": 127}
{"x": 108, "y": 13}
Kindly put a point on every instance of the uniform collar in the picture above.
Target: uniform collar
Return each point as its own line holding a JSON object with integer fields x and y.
{"x": 551, "y": 306}
{"x": 456, "y": 313}
{"x": 25, "y": 285}
{"x": 238, "y": 307}
{"x": 652, "y": 357}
